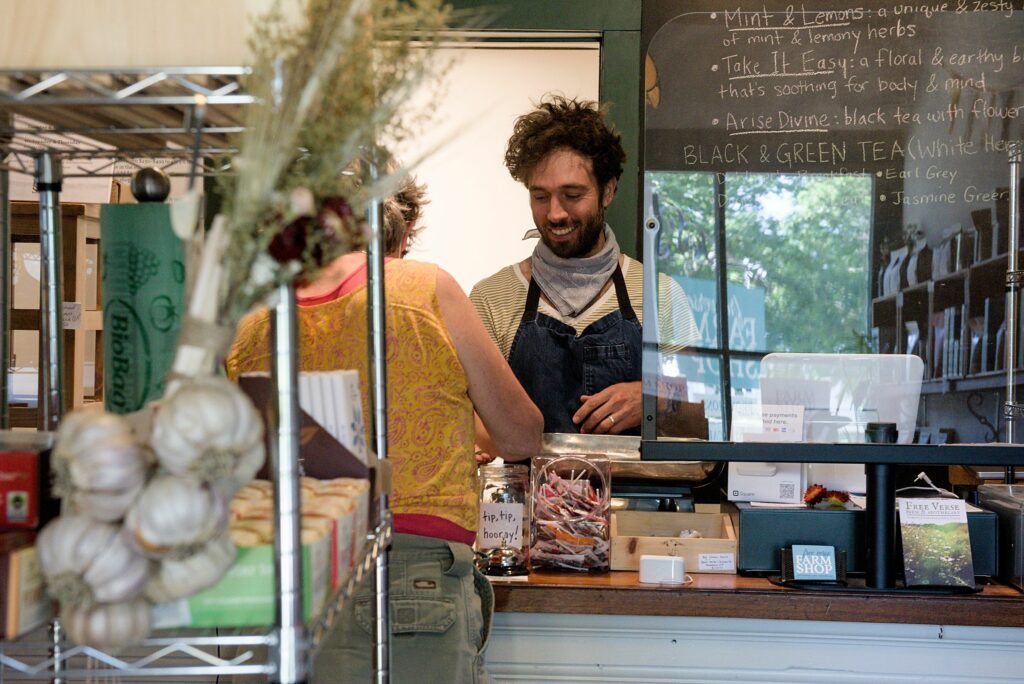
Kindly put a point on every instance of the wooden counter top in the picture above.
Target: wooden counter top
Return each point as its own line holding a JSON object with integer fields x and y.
{"x": 733, "y": 596}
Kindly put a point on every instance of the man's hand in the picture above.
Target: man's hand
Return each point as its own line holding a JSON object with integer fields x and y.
{"x": 612, "y": 410}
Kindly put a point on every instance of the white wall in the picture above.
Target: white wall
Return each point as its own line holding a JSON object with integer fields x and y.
{"x": 535, "y": 648}
{"x": 477, "y": 214}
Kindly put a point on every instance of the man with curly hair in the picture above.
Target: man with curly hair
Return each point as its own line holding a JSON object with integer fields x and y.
{"x": 568, "y": 318}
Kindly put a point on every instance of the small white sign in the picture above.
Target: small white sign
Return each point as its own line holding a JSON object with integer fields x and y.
{"x": 784, "y": 422}
{"x": 768, "y": 423}
{"x": 716, "y": 562}
{"x": 501, "y": 524}
{"x": 72, "y": 315}
{"x": 814, "y": 562}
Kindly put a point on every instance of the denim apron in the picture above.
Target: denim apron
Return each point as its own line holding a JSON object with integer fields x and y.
{"x": 555, "y": 366}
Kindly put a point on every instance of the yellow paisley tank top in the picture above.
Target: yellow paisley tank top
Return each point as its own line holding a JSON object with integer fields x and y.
{"x": 430, "y": 415}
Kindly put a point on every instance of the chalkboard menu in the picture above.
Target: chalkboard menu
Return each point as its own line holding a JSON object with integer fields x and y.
{"x": 922, "y": 96}
{"x": 921, "y": 101}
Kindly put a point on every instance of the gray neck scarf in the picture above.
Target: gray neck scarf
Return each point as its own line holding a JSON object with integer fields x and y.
{"x": 571, "y": 284}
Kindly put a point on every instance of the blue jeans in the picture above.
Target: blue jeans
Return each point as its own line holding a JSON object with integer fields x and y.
{"x": 441, "y": 610}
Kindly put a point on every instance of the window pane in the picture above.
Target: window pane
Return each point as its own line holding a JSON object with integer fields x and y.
{"x": 797, "y": 248}
{"x": 684, "y": 204}
{"x": 689, "y": 377}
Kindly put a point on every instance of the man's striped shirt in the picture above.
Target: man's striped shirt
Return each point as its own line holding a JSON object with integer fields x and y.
{"x": 501, "y": 298}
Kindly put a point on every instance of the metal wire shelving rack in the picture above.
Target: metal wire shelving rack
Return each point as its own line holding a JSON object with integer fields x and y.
{"x": 127, "y": 119}
{"x": 194, "y": 653}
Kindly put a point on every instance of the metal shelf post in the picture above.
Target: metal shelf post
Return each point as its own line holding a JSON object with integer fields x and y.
{"x": 51, "y": 329}
{"x": 291, "y": 644}
{"x": 1013, "y": 288}
{"x": 6, "y": 284}
{"x": 378, "y": 366}
{"x": 46, "y": 92}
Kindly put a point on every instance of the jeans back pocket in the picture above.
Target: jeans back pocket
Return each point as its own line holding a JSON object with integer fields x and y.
{"x": 411, "y": 614}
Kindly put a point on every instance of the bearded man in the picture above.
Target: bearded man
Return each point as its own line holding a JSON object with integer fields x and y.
{"x": 568, "y": 319}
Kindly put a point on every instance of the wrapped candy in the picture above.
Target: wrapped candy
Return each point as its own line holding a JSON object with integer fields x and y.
{"x": 571, "y": 513}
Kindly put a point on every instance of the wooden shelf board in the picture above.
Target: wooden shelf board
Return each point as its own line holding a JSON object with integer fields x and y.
{"x": 620, "y": 593}
{"x": 999, "y": 259}
{"x": 950, "y": 277}
{"x": 978, "y": 381}
{"x": 919, "y": 288}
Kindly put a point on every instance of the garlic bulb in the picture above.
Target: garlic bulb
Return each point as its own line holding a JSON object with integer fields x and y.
{"x": 178, "y": 578}
{"x": 208, "y": 428}
{"x": 108, "y": 625}
{"x": 98, "y": 467}
{"x": 248, "y": 464}
{"x": 175, "y": 516}
{"x": 86, "y": 562}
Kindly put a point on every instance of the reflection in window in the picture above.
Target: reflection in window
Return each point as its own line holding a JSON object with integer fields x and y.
{"x": 796, "y": 249}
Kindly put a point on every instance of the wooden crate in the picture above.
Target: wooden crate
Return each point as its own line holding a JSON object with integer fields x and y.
{"x": 639, "y": 533}
{"x": 80, "y": 226}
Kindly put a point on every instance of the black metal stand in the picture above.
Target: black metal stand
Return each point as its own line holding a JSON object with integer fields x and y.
{"x": 880, "y": 462}
{"x": 881, "y": 517}
{"x": 855, "y": 586}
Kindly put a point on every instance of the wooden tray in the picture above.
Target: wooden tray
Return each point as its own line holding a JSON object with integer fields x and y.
{"x": 638, "y": 533}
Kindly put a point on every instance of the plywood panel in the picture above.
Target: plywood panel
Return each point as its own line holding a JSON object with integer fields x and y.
{"x": 102, "y": 34}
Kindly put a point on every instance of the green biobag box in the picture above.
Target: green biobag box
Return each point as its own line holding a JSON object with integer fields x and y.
{"x": 245, "y": 595}
{"x": 143, "y": 276}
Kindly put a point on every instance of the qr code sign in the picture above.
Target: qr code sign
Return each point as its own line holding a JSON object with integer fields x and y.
{"x": 787, "y": 490}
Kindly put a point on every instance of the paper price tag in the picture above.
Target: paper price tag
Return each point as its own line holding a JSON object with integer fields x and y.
{"x": 716, "y": 562}
{"x": 72, "y": 315}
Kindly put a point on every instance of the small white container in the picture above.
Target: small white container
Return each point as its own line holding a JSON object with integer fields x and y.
{"x": 662, "y": 570}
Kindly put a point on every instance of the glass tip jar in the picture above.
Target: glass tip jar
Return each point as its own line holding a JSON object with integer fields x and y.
{"x": 503, "y": 532}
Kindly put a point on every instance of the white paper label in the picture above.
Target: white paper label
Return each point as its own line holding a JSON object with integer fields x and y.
{"x": 768, "y": 423}
{"x": 783, "y": 422}
{"x": 72, "y": 315}
{"x": 500, "y": 524}
{"x": 711, "y": 562}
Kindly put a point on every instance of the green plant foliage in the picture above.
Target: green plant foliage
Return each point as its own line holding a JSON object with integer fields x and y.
{"x": 329, "y": 85}
{"x": 803, "y": 239}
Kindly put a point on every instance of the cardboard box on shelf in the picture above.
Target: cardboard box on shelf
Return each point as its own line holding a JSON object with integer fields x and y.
{"x": 342, "y": 548}
{"x": 335, "y": 508}
{"x": 245, "y": 596}
{"x": 20, "y": 490}
{"x": 1007, "y": 503}
{"x": 25, "y": 498}
{"x": 24, "y": 604}
{"x": 638, "y": 533}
